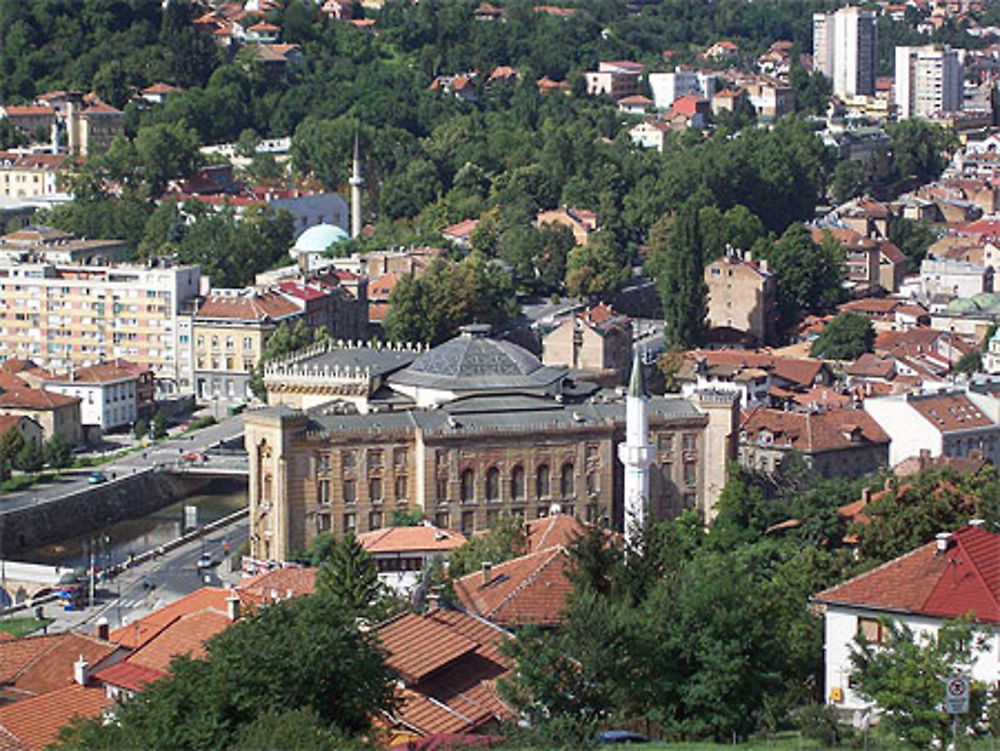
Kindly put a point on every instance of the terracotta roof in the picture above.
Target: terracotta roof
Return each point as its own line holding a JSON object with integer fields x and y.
{"x": 381, "y": 287}
{"x": 139, "y": 632}
{"x": 963, "y": 465}
{"x": 458, "y": 694}
{"x": 36, "y": 722}
{"x": 377, "y": 311}
{"x": 810, "y": 432}
{"x": 799, "y": 371}
{"x": 554, "y": 530}
{"x": 872, "y": 366}
{"x": 635, "y": 99}
{"x": 185, "y": 636}
{"x": 463, "y": 228}
{"x": 28, "y": 110}
{"x": 40, "y": 664}
{"x": 915, "y": 340}
{"x": 105, "y": 372}
{"x": 277, "y": 584}
{"x": 405, "y": 539}
{"x": 964, "y": 579}
{"x": 160, "y": 88}
{"x": 128, "y": 675}
{"x": 530, "y": 589}
{"x": 100, "y": 108}
{"x": 16, "y": 394}
{"x": 950, "y": 412}
{"x": 687, "y": 105}
{"x": 873, "y": 305}
{"x": 253, "y": 306}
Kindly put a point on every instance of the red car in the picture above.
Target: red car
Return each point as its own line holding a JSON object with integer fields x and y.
{"x": 195, "y": 456}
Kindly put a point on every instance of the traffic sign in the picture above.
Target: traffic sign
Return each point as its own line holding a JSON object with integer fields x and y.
{"x": 956, "y": 695}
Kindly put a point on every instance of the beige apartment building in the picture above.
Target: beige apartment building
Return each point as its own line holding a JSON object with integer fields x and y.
{"x": 67, "y": 316}
{"x": 28, "y": 175}
{"x": 741, "y": 296}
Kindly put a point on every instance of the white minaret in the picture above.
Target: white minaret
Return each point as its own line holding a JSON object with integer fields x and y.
{"x": 636, "y": 454}
{"x": 356, "y": 182}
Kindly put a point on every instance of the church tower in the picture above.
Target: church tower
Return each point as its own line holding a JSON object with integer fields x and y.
{"x": 636, "y": 454}
{"x": 356, "y": 182}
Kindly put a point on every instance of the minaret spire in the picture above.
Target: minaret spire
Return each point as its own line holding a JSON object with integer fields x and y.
{"x": 356, "y": 182}
{"x": 636, "y": 454}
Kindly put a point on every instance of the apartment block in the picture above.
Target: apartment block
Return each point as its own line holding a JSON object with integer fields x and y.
{"x": 71, "y": 316}
{"x": 844, "y": 50}
{"x": 928, "y": 81}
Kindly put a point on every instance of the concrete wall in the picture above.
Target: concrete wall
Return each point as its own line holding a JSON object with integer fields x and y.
{"x": 92, "y": 509}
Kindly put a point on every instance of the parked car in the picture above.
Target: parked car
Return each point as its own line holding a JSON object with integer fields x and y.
{"x": 96, "y": 478}
{"x": 205, "y": 561}
{"x": 612, "y": 737}
{"x": 195, "y": 456}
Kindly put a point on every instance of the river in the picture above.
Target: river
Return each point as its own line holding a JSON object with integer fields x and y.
{"x": 115, "y": 543}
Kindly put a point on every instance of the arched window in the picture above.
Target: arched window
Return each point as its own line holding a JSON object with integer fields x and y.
{"x": 542, "y": 481}
{"x": 566, "y": 481}
{"x": 517, "y": 483}
{"x": 468, "y": 486}
{"x": 593, "y": 483}
{"x": 493, "y": 484}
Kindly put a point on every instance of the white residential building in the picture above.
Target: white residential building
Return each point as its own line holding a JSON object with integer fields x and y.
{"x": 844, "y": 50}
{"x": 928, "y": 81}
{"x": 937, "y": 581}
{"x": 108, "y": 394}
{"x": 943, "y": 276}
{"x": 402, "y": 554}
{"x": 944, "y": 424}
{"x": 666, "y": 87}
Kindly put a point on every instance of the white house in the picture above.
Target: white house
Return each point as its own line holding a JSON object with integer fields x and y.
{"x": 108, "y": 394}
{"x": 666, "y": 87}
{"x": 938, "y": 581}
{"x": 402, "y": 553}
{"x": 650, "y": 134}
{"x": 943, "y": 276}
{"x": 945, "y": 424}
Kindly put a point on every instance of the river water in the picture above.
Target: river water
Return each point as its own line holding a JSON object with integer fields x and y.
{"x": 114, "y": 543}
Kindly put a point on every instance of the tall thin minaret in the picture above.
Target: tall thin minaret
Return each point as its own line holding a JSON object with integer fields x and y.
{"x": 356, "y": 182}
{"x": 636, "y": 454}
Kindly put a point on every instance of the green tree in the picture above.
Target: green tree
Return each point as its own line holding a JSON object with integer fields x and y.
{"x": 969, "y": 363}
{"x": 166, "y": 151}
{"x": 505, "y": 540}
{"x": 809, "y": 274}
{"x": 30, "y": 457}
{"x": 349, "y": 577}
{"x": 11, "y": 444}
{"x": 846, "y": 337}
{"x": 913, "y": 238}
{"x": 159, "y": 426}
{"x": 918, "y": 148}
{"x": 58, "y": 452}
{"x": 292, "y": 730}
{"x": 594, "y": 269}
{"x": 903, "y": 674}
{"x": 140, "y": 429}
{"x": 679, "y": 268}
{"x": 292, "y": 656}
{"x": 406, "y": 517}
{"x": 848, "y": 181}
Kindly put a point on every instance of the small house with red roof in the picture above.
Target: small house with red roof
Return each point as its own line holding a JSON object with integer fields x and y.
{"x": 108, "y": 392}
{"x": 614, "y": 78}
{"x": 401, "y": 554}
{"x": 582, "y": 222}
{"x": 722, "y": 50}
{"x": 955, "y": 575}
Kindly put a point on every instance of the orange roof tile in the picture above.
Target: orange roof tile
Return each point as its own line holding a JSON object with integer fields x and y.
{"x": 185, "y": 636}
{"x": 36, "y": 722}
{"x": 950, "y": 412}
{"x": 39, "y": 664}
{"x": 438, "y": 646}
{"x": 277, "y": 584}
{"x": 248, "y": 307}
{"x": 811, "y": 432}
{"x": 554, "y": 530}
{"x": 128, "y": 675}
{"x": 530, "y": 589}
{"x": 139, "y": 632}
{"x": 405, "y": 539}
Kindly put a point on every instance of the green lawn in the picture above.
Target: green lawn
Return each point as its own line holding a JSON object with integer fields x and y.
{"x": 22, "y": 626}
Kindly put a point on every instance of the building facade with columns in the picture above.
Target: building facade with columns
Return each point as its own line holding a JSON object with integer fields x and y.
{"x": 466, "y": 432}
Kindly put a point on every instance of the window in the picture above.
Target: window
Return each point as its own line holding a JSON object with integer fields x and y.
{"x": 542, "y": 481}
{"x": 665, "y": 443}
{"x": 442, "y": 519}
{"x": 468, "y": 493}
{"x": 348, "y": 459}
{"x": 593, "y": 453}
{"x": 690, "y": 442}
{"x": 690, "y": 473}
{"x": 441, "y": 459}
{"x": 350, "y": 522}
{"x": 566, "y": 481}
{"x": 374, "y": 458}
{"x": 593, "y": 483}
{"x": 591, "y": 513}
{"x": 517, "y": 483}
{"x": 400, "y": 487}
{"x": 323, "y": 492}
{"x": 375, "y": 490}
{"x": 350, "y": 491}
{"x": 493, "y": 484}
{"x": 375, "y": 520}
{"x": 399, "y": 458}
{"x": 872, "y": 630}
{"x": 322, "y": 523}
{"x": 441, "y": 489}
{"x": 247, "y": 344}
{"x": 468, "y": 522}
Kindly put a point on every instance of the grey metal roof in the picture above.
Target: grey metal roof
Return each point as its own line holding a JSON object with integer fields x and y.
{"x": 377, "y": 361}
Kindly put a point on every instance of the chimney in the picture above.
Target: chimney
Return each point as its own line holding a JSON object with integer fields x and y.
{"x": 943, "y": 541}
{"x": 233, "y": 606}
{"x": 289, "y": 593}
{"x": 978, "y": 523}
{"x": 487, "y": 572}
{"x": 433, "y": 600}
{"x": 101, "y": 629}
{"x": 762, "y": 265}
{"x": 81, "y": 671}
{"x": 866, "y": 496}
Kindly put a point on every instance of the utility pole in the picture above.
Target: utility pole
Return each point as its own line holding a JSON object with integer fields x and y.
{"x": 91, "y": 572}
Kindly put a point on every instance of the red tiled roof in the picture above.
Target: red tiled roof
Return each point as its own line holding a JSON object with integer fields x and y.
{"x": 185, "y": 636}
{"x": 798, "y": 371}
{"x": 463, "y": 228}
{"x": 418, "y": 646}
{"x": 36, "y": 722}
{"x": 872, "y": 366}
{"x": 872, "y": 305}
{"x": 15, "y": 396}
{"x": 554, "y": 530}
{"x": 964, "y": 579}
{"x": 128, "y": 675}
{"x": 105, "y": 372}
{"x": 160, "y": 88}
{"x": 139, "y": 632}
{"x": 381, "y": 287}
{"x": 530, "y": 589}
{"x": 950, "y": 412}
{"x": 377, "y": 311}
{"x": 248, "y": 307}
{"x": 278, "y": 584}
{"x": 406, "y": 539}
{"x": 812, "y": 432}
{"x": 28, "y": 110}
{"x": 40, "y": 664}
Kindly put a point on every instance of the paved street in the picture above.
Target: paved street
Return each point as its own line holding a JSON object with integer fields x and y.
{"x": 172, "y": 575}
{"x": 168, "y": 451}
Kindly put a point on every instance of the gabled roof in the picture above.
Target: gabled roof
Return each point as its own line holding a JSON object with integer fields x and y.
{"x": 39, "y": 664}
{"x": 530, "y": 589}
{"x": 17, "y": 396}
{"x": 184, "y": 636}
{"x": 35, "y": 723}
{"x": 872, "y": 366}
{"x": 554, "y": 530}
{"x": 280, "y": 583}
{"x": 411, "y": 539}
{"x": 139, "y": 632}
{"x": 105, "y": 372}
{"x": 462, "y": 229}
{"x": 963, "y": 579}
{"x": 811, "y": 432}
{"x": 950, "y": 412}
{"x": 418, "y": 646}
{"x": 249, "y": 306}
{"x": 128, "y": 675}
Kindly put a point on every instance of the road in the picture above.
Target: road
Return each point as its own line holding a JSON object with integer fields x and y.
{"x": 165, "y": 452}
{"x": 172, "y": 575}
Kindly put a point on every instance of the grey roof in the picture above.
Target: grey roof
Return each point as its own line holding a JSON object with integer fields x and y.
{"x": 378, "y": 361}
{"x": 472, "y": 361}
